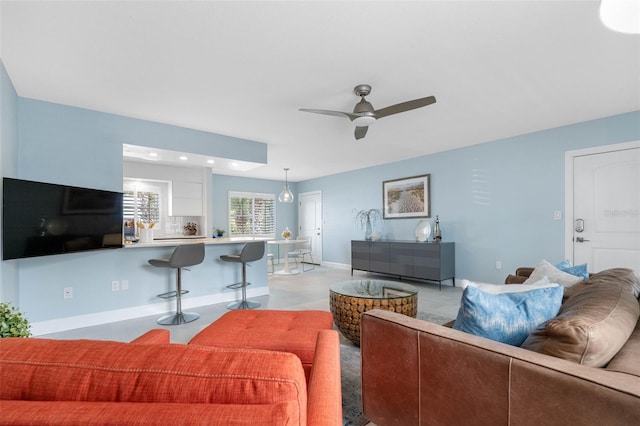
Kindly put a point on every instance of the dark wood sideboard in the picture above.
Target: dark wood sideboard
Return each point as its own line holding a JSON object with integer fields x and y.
{"x": 422, "y": 260}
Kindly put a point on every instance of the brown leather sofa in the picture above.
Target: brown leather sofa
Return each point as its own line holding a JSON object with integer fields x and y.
{"x": 419, "y": 373}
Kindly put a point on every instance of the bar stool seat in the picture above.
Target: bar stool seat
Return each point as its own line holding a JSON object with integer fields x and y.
{"x": 183, "y": 255}
{"x": 251, "y": 252}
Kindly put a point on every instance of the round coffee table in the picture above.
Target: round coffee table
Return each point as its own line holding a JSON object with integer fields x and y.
{"x": 349, "y": 299}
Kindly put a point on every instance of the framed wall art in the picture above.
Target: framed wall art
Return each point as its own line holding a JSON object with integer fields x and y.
{"x": 407, "y": 197}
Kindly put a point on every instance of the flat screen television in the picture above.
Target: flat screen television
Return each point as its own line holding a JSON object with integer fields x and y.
{"x": 41, "y": 219}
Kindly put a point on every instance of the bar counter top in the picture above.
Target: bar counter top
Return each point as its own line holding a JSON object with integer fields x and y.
{"x": 172, "y": 242}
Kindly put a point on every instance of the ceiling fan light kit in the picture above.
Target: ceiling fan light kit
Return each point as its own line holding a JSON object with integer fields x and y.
{"x": 364, "y": 114}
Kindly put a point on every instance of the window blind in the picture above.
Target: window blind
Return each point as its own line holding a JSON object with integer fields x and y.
{"x": 141, "y": 206}
{"x": 252, "y": 215}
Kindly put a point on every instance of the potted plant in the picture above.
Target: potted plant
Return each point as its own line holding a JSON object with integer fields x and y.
{"x": 13, "y": 323}
{"x": 191, "y": 228}
{"x": 366, "y": 219}
{"x": 219, "y": 232}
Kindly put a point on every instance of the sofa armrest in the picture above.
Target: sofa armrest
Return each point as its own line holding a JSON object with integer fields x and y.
{"x": 156, "y": 335}
{"x": 414, "y": 372}
{"x": 324, "y": 391}
{"x": 514, "y": 279}
{"x": 524, "y": 271}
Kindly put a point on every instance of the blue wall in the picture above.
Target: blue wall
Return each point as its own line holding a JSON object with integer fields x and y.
{"x": 495, "y": 200}
{"x": 9, "y": 168}
{"x": 75, "y": 146}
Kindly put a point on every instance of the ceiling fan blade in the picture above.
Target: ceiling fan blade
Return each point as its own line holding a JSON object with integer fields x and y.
{"x": 405, "y": 106}
{"x": 361, "y": 131}
{"x": 348, "y": 115}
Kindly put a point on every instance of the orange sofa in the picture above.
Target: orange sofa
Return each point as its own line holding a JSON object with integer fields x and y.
{"x": 150, "y": 381}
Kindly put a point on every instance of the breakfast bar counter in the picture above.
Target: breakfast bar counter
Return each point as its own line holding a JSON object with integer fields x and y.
{"x": 131, "y": 289}
{"x": 172, "y": 242}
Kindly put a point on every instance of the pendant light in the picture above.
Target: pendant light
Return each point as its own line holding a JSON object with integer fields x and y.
{"x": 286, "y": 196}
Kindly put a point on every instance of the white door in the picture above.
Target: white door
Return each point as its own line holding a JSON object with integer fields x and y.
{"x": 605, "y": 224}
{"x": 310, "y": 221}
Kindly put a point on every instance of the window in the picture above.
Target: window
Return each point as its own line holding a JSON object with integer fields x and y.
{"x": 142, "y": 206}
{"x": 143, "y": 202}
{"x": 252, "y": 215}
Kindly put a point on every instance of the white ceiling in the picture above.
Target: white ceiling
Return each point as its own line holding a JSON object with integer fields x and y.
{"x": 497, "y": 69}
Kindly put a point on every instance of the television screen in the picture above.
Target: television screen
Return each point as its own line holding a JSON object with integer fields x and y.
{"x": 41, "y": 219}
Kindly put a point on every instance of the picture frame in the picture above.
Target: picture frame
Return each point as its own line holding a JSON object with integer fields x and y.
{"x": 408, "y": 197}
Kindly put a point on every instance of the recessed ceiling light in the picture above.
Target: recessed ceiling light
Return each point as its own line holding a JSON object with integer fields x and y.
{"x": 184, "y": 158}
{"x": 153, "y": 154}
{"x": 234, "y": 164}
{"x": 210, "y": 161}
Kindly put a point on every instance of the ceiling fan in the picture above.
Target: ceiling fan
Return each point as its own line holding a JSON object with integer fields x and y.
{"x": 364, "y": 114}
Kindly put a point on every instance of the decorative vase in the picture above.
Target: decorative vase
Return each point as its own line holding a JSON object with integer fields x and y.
{"x": 146, "y": 235}
{"x": 437, "y": 235}
{"x": 423, "y": 230}
{"x": 368, "y": 231}
{"x": 286, "y": 234}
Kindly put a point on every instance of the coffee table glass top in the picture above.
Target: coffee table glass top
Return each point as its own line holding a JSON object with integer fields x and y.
{"x": 373, "y": 289}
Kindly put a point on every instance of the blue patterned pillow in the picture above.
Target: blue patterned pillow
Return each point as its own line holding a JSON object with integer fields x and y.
{"x": 578, "y": 270}
{"x": 510, "y": 315}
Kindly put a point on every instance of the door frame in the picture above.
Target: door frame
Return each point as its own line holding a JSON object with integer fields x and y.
{"x": 569, "y": 156}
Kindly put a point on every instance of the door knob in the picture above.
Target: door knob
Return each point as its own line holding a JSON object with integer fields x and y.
{"x": 580, "y": 240}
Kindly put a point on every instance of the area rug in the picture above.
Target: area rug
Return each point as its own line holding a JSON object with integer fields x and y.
{"x": 350, "y": 368}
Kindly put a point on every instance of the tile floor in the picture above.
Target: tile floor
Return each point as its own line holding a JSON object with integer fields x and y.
{"x": 308, "y": 290}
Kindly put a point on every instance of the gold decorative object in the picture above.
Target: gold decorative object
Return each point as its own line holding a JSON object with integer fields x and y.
{"x": 286, "y": 234}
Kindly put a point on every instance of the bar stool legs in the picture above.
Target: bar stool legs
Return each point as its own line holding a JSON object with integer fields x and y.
{"x": 243, "y": 303}
{"x": 178, "y": 317}
{"x": 183, "y": 255}
{"x": 250, "y": 252}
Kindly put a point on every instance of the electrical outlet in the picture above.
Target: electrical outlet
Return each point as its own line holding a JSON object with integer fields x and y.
{"x": 115, "y": 285}
{"x": 498, "y": 264}
{"x": 557, "y": 215}
{"x": 124, "y": 285}
{"x": 67, "y": 292}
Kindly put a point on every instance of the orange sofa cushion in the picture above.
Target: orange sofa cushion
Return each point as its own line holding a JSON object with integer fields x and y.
{"x": 287, "y": 331}
{"x": 83, "y": 413}
{"x": 102, "y": 371}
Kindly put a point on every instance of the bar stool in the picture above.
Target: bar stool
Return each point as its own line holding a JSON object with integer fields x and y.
{"x": 183, "y": 255}
{"x": 250, "y": 252}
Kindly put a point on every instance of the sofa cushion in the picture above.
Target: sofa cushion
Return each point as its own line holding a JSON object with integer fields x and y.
{"x": 89, "y": 370}
{"x": 576, "y": 270}
{"x": 506, "y": 313}
{"x": 627, "y": 360}
{"x": 555, "y": 275}
{"x": 66, "y": 413}
{"x": 277, "y": 330}
{"x": 594, "y": 323}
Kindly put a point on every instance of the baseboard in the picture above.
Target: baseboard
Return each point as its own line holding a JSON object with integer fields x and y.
{"x": 337, "y": 265}
{"x": 99, "y": 318}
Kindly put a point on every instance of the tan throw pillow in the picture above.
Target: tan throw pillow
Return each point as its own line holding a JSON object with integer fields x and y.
{"x": 554, "y": 274}
{"x": 594, "y": 323}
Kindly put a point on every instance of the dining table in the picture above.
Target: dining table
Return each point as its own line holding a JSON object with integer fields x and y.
{"x": 285, "y": 244}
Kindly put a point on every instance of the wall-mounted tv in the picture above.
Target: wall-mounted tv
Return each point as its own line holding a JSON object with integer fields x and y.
{"x": 41, "y": 219}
